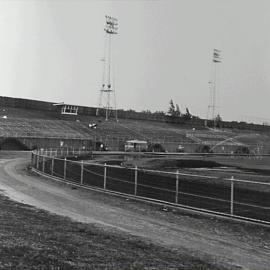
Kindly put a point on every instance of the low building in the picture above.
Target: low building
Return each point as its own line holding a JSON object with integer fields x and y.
{"x": 67, "y": 108}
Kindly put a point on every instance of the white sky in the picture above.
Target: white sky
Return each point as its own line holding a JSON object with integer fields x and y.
{"x": 51, "y": 50}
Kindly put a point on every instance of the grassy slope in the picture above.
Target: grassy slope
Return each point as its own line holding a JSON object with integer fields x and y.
{"x": 34, "y": 239}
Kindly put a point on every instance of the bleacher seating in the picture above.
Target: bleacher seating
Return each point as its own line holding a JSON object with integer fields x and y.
{"x": 213, "y": 137}
{"x": 44, "y": 128}
{"x": 156, "y": 132}
{"x": 11, "y": 112}
{"x": 18, "y": 122}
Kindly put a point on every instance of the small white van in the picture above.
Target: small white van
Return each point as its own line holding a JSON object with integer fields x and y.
{"x": 136, "y": 146}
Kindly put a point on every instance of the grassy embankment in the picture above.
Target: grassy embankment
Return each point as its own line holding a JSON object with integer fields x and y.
{"x": 35, "y": 239}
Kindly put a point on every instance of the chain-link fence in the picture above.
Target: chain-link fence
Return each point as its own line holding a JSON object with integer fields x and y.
{"x": 233, "y": 197}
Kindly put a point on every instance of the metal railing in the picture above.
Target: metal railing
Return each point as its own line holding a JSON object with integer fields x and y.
{"x": 62, "y": 152}
{"x": 232, "y": 197}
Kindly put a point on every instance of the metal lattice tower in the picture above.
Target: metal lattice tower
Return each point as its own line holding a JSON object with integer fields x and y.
{"x": 213, "y": 86}
{"x": 107, "y": 91}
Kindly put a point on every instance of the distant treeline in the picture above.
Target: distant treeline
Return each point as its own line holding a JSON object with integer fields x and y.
{"x": 158, "y": 116}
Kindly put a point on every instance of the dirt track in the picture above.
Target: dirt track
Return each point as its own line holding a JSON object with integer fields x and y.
{"x": 230, "y": 244}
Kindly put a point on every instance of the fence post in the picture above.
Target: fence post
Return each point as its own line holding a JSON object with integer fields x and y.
{"x": 52, "y": 165}
{"x": 65, "y": 167}
{"x": 32, "y": 159}
{"x": 37, "y": 161}
{"x": 105, "y": 176}
{"x": 136, "y": 181}
{"x": 232, "y": 194}
{"x": 82, "y": 172}
{"x": 43, "y": 164}
{"x": 177, "y": 186}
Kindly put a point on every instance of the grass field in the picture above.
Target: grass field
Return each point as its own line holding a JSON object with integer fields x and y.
{"x": 34, "y": 239}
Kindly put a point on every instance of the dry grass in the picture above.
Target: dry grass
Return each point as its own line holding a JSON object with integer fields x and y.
{"x": 34, "y": 239}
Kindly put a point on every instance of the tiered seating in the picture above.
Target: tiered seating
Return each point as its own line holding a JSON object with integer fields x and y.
{"x": 142, "y": 130}
{"x": 114, "y": 130}
{"x": 20, "y": 127}
{"x": 157, "y": 132}
{"x": 25, "y": 113}
{"x": 16, "y": 122}
{"x": 211, "y": 137}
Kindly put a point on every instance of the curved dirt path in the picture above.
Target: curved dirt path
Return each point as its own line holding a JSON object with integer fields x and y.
{"x": 203, "y": 237}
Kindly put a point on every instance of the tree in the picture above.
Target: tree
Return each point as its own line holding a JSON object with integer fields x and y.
{"x": 218, "y": 118}
{"x": 177, "y": 111}
{"x": 174, "y": 110}
{"x": 146, "y": 111}
{"x": 218, "y": 121}
{"x": 187, "y": 115}
{"x": 171, "y": 110}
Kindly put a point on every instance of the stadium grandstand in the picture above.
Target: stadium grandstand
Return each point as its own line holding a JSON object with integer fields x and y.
{"x": 28, "y": 124}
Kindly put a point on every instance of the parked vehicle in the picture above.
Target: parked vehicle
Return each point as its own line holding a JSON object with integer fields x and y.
{"x": 180, "y": 149}
{"x": 136, "y": 146}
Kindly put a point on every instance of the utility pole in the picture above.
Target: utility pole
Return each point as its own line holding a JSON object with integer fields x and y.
{"x": 107, "y": 90}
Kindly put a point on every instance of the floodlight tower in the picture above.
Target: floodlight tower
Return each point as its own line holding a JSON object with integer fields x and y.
{"x": 213, "y": 85}
{"x": 107, "y": 90}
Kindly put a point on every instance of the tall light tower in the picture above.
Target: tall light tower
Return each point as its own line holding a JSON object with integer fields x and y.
{"x": 213, "y": 85}
{"x": 107, "y": 91}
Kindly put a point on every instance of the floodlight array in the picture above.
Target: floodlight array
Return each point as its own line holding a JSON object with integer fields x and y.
{"x": 111, "y": 25}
